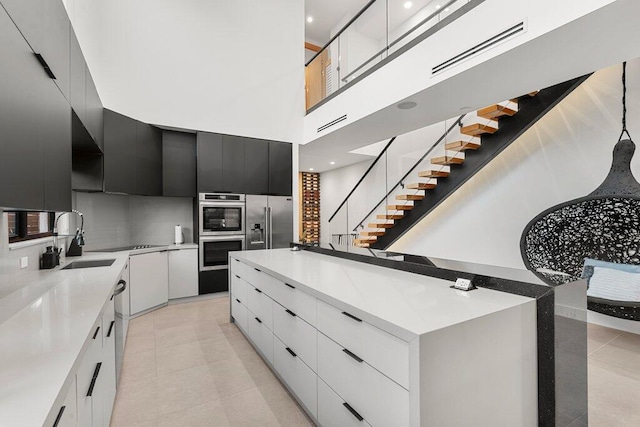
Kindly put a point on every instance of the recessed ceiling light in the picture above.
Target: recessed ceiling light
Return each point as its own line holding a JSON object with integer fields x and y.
{"x": 309, "y": 19}
{"x": 311, "y": 169}
{"x": 407, "y": 105}
{"x": 446, "y": 9}
{"x": 437, "y": 6}
{"x": 407, "y": 5}
{"x": 332, "y": 163}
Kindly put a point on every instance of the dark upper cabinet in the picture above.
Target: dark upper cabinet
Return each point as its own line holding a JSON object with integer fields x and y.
{"x": 35, "y": 126}
{"x": 77, "y": 76}
{"x": 120, "y": 137}
{"x": 55, "y": 47}
{"x": 148, "y": 160}
{"x": 233, "y": 164}
{"x": 209, "y": 162}
{"x": 94, "y": 121}
{"x": 256, "y": 166}
{"x": 179, "y": 164}
{"x": 280, "y": 168}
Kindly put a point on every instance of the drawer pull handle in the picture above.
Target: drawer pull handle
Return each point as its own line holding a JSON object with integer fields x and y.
{"x": 237, "y": 276}
{"x": 257, "y": 270}
{"x": 291, "y": 313}
{"x": 238, "y": 301}
{"x": 59, "y": 417}
{"x": 94, "y": 379}
{"x": 258, "y": 290}
{"x": 113, "y": 322}
{"x": 353, "y": 411}
{"x": 95, "y": 334}
{"x": 356, "y": 358}
{"x": 291, "y": 286}
{"x": 258, "y": 320}
{"x": 351, "y": 316}
{"x": 291, "y": 352}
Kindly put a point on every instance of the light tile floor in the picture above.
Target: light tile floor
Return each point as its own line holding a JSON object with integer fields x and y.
{"x": 186, "y": 365}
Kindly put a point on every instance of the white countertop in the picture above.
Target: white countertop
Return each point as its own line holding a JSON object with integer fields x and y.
{"x": 41, "y": 343}
{"x": 401, "y": 303}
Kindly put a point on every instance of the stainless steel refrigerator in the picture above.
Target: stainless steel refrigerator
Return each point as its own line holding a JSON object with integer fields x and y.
{"x": 269, "y": 222}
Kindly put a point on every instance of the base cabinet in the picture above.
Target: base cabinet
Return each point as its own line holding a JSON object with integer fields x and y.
{"x": 67, "y": 415}
{"x": 183, "y": 273}
{"x": 300, "y": 378}
{"x": 334, "y": 411}
{"x": 149, "y": 281}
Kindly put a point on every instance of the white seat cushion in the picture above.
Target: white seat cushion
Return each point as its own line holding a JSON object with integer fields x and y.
{"x": 614, "y": 285}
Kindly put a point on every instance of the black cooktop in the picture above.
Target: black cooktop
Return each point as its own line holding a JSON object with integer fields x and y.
{"x": 127, "y": 248}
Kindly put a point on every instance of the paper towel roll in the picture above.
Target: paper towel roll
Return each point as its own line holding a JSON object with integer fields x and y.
{"x": 179, "y": 238}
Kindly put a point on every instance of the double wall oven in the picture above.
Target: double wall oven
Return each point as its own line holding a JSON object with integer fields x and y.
{"x": 221, "y": 220}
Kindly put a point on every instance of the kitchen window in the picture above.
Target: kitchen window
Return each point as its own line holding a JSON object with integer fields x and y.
{"x": 29, "y": 225}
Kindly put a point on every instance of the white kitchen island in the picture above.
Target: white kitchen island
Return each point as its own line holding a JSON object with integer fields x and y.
{"x": 360, "y": 344}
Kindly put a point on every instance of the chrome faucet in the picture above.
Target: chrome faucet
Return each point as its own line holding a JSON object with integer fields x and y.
{"x": 75, "y": 248}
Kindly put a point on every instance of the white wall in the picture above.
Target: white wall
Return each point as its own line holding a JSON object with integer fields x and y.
{"x": 233, "y": 67}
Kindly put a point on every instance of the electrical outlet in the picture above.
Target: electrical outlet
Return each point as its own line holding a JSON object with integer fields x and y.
{"x": 24, "y": 262}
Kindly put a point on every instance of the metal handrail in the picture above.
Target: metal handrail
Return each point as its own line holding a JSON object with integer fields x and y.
{"x": 363, "y": 10}
{"x": 458, "y": 122}
{"x": 396, "y": 41}
{"x": 384, "y": 150}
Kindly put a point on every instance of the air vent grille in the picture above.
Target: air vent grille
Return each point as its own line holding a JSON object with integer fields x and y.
{"x": 332, "y": 123}
{"x": 481, "y": 47}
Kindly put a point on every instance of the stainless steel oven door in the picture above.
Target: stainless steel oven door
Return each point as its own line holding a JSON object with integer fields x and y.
{"x": 214, "y": 251}
{"x": 221, "y": 218}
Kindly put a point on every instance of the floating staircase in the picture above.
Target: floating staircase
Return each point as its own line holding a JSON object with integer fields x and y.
{"x": 496, "y": 127}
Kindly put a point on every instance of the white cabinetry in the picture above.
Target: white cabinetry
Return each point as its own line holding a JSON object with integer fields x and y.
{"x": 183, "y": 273}
{"x": 149, "y": 281}
{"x": 67, "y": 415}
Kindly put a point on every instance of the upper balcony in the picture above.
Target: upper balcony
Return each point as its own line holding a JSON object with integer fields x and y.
{"x": 448, "y": 60}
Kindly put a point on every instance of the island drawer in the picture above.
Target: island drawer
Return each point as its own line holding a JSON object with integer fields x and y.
{"x": 296, "y": 334}
{"x": 298, "y": 376}
{"x": 260, "y": 305}
{"x": 253, "y": 276}
{"x": 301, "y": 303}
{"x": 260, "y": 336}
{"x": 381, "y": 400}
{"x": 383, "y": 351}
{"x": 334, "y": 411}
{"x": 239, "y": 288}
{"x": 239, "y": 313}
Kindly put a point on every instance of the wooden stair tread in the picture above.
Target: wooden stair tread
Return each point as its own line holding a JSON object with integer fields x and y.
{"x": 476, "y": 129}
{"x": 389, "y": 216}
{"x": 534, "y": 93}
{"x": 380, "y": 225}
{"x": 495, "y": 111}
{"x": 447, "y": 160}
{"x": 420, "y": 186}
{"x": 433, "y": 174}
{"x": 372, "y": 233}
{"x": 409, "y": 197}
{"x": 399, "y": 207}
{"x": 362, "y": 245}
{"x": 462, "y": 145}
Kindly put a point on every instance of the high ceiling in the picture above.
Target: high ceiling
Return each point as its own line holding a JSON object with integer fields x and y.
{"x": 326, "y": 15}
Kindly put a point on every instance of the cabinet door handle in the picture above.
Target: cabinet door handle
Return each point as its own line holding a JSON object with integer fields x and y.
{"x": 291, "y": 352}
{"x": 113, "y": 322}
{"x": 59, "y": 417}
{"x": 257, "y": 270}
{"x": 238, "y": 301}
{"x": 258, "y": 290}
{"x": 237, "y": 276}
{"x": 95, "y": 334}
{"x": 94, "y": 379}
{"x": 291, "y": 286}
{"x": 351, "y": 316}
{"x": 356, "y": 358}
{"x": 258, "y": 320}
{"x": 291, "y": 313}
{"x": 353, "y": 411}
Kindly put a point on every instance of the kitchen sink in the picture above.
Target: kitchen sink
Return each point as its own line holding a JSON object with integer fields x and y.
{"x": 89, "y": 264}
